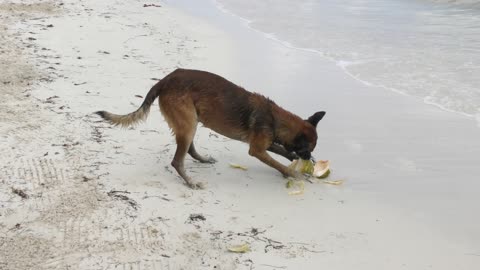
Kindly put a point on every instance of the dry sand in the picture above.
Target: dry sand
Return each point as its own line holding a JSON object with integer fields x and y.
{"x": 76, "y": 193}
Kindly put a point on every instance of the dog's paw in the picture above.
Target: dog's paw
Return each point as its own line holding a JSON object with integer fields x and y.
{"x": 210, "y": 160}
{"x": 206, "y": 160}
{"x": 197, "y": 185}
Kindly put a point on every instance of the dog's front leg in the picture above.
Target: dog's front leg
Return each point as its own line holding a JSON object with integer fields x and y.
{"x": 267, "y": 159}
{"x": 258, "y": 149}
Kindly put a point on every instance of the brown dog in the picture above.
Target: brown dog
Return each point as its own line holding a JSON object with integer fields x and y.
{"x": 187, "y": 97}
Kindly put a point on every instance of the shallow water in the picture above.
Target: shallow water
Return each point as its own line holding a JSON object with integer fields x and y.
{"x": 429, "y": 49}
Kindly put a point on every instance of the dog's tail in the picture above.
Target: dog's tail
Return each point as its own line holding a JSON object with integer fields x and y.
{"x": 139, "y": 115}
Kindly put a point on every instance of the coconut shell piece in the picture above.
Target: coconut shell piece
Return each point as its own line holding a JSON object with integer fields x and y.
{"x": 321, "y": 169}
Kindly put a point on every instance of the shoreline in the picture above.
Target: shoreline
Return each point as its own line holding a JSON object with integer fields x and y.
{"x": 121, "y": 205}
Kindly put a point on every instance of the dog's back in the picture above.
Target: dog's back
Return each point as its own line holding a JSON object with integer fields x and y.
{"x": 218, "y": 103}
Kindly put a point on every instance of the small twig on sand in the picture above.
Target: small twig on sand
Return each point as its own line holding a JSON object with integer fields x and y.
{"x": 156, "y": 196}
{"x": 274, "y": 244}
{"x": 249, "y": 263}
{"x": 151, "y": 5}
{"x": 304, "y": 247}
{"x": 114, "y": 194}
{"x": 312, "y": 251}
{"x": 117, "y": 191}
{"x": 308, "y": 180}
{"x": 20, "y": 193}
{"x": 254, "y": 233}
{"x": 270, "y": 244}
{"x": 195, "y": 217}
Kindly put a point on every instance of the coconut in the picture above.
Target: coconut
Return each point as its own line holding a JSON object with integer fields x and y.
{"x": 303, "y": 166}
{"x": 320, "y": 169}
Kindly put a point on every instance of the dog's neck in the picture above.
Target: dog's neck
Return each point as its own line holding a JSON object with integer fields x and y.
{"x": 285, "y": 125}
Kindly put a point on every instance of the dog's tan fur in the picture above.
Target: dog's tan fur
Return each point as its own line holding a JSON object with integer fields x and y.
{"x": 187, "y": 97}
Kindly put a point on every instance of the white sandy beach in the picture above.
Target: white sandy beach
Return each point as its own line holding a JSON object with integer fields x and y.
{"x": 76, "y": 193}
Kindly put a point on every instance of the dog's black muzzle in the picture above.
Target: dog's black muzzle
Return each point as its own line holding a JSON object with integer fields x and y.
{"x": 305, "y": 155}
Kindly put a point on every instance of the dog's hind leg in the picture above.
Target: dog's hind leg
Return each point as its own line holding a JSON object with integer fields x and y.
{"x": 183, "y": 144}
{"x": 182, "y": 119}
{"x": 193, "y": 152}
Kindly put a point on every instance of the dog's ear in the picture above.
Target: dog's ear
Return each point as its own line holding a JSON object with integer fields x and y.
{"x": 315, "y": 118}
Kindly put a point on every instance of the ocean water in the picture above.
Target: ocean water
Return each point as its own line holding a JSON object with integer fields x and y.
{"x": 425, "y": 48}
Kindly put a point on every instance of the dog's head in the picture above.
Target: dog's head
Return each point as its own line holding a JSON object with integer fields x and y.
{"x": 306, "y": 140}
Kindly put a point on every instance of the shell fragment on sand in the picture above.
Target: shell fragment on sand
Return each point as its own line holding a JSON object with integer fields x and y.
{"x": 335, "y": 182}
{"x": 237, "y": 166}
{"x": 296, "y": 192}
{"x": 239, "y": 248}
{"x": 298, "y": 186}
{"x": 321, "y": 169}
